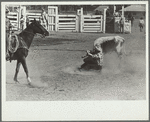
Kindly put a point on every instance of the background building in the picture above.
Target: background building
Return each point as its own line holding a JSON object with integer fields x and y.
{"x": 137, "y": 11}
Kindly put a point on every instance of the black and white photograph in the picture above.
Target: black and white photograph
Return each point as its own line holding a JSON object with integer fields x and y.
{"x": 77, "y": 60}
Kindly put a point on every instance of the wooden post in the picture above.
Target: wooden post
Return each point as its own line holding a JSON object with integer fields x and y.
{"x": 81, "y": 20}
{"x": 78, "y": 20}
{"x": 53, "y": 12}
{"x": 76, "y": 23}
{"x": 56, "y": 19}
{"x": 123, "y": 17}
{"x": 114, "y": 8}
{"x": 123, "y": 11}
{"x": 50, "y": 19}
{"x": 104, "y": 20}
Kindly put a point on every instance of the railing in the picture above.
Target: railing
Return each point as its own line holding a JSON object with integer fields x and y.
{"x": 13, "y": 17}
{"x": 92, "y": 23}
{"x": 67, "y": 23}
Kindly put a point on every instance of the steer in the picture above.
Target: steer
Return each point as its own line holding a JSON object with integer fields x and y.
{"x": 109, "y": 44}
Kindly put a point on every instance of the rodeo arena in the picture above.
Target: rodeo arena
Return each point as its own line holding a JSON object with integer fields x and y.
{"x": 79, "y": 53}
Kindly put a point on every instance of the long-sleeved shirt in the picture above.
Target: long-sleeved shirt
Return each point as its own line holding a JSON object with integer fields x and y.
{"x": 98, "y": 57}
{"x": 141, "y": 21}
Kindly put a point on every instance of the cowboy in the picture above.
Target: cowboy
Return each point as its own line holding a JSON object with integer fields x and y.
{"x": 93, "y": 58}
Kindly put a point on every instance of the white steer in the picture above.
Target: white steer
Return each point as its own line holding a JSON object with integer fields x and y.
{"x": 109, "y": 44}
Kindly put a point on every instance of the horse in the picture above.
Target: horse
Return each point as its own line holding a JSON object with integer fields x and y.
{"x": 23, "y": 42}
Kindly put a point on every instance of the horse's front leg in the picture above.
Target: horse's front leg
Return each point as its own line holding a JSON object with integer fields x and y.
{"x": 17, "y": 70}
{"x": 23, "y": 61}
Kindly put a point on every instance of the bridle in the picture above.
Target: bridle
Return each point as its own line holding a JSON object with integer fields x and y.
{"x": 41, "y": 35}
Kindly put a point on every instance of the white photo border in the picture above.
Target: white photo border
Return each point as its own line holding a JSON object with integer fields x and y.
{"x": 73, "y": 110}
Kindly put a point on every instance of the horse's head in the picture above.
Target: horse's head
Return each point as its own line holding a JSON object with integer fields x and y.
{"x": 38, "y": 28}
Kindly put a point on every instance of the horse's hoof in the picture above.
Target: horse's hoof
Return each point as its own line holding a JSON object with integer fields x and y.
{"x": 17, "y": 82}
{"x": 29, "y": 80}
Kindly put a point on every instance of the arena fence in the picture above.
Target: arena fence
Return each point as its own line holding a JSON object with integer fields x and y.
{"x": 92, "y": 23}
{"x": 31, "y": 16}
{"x": 36, "y": 16}
{"x": 63, "y": 23}
{"x": 67, "y": 23}
{"x": 74, "y": 23}
{"x": 14, "y": 17}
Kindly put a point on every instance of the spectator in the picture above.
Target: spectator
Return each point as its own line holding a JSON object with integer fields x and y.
{"x": 121, "y": 25}
{"x": 116, "y": 14}
{"x": 22, "y": 22}
{"x": 141, "y": 24}
{"x": 132, "y": 19}
{"x": 27, "y": 21}
{"x": 129, "y": 16}
{"x": 44, "y": 19}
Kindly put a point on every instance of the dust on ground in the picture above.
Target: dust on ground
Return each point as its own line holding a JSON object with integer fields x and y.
{"x": 53, "y": 64}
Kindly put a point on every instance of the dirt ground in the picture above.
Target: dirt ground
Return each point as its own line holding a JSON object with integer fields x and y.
{"x": 53, "y": 67}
